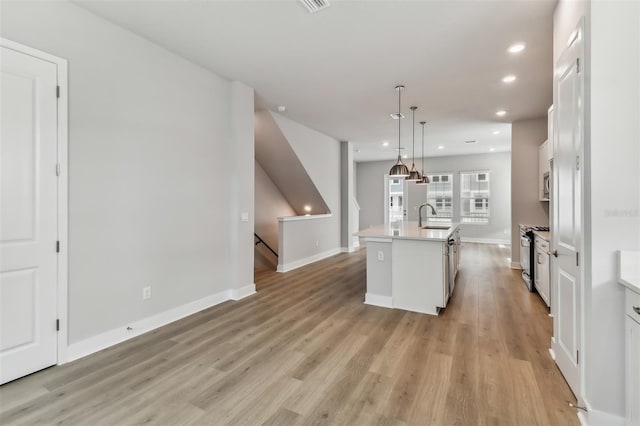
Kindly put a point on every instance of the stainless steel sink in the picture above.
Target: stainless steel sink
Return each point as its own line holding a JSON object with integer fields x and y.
{"x": 436, "y": 226}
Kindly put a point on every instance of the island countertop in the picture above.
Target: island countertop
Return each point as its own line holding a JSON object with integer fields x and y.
{"x": 408, "y": 230}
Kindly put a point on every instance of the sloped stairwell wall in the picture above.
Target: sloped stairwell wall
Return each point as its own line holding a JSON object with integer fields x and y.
{"x": 305, "y": 166}
{"x": 270, "y": 205}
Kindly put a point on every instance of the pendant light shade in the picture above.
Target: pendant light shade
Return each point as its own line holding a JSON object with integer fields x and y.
{"x": 399, "y": 170}
{"x": 424, "y": 179}
{"x": 414, "y": 174}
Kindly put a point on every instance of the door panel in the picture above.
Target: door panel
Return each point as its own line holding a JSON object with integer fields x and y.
{"x": 566, "y": 317}
{"x": 17, "y": 211}
{"x": 28, "y": 196}
{"x": 19, "y": 300}
{"x": 567, "y": 235}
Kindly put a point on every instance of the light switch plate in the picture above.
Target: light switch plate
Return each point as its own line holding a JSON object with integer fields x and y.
{"x": 380, "y": 255}
{"x": 244, "y": 216}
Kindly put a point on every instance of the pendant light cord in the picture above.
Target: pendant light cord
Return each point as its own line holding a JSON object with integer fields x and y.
{"x": 399, "y": 117}
{"x": 413, "y": 128}
{"x": 423, "y": 123}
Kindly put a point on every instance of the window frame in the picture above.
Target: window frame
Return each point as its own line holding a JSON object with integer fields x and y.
{"x": 474, "y": 198}
{"x": 450, "y": 175}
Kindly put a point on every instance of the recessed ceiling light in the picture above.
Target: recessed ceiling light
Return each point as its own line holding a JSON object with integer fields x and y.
{"x": 405, "y": 156}
{"x": 509, "y": 79}
{"x": 282, "y": 108}
{"x": 501, "y": 113}
{"x": 516, "y": 48}
{"x": 440, "y": 147}
{"x": 307, "y": 208}
{"x": 315, "y": 5}
{"x": 492, "y": 149}
{"x": 385, "y": 143}
{"x": 496, "y": 132}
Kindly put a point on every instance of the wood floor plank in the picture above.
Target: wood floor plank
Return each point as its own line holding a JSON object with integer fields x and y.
{"x": 306, "y": 350}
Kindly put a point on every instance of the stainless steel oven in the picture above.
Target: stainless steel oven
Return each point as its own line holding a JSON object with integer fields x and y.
{"x": 525, "y": 255}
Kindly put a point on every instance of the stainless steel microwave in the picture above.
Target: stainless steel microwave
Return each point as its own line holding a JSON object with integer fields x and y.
{"x": 546, "y": 181}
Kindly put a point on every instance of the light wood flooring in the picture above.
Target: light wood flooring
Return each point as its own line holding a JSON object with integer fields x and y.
{"x": 306, "y": 350}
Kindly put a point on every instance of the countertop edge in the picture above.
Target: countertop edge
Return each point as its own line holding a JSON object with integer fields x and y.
{"x": 454, "y": 226}
{"x": 629, "y": 269}
{"x": 545, "y": 235}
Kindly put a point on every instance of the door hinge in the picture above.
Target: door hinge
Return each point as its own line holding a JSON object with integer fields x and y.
{"x": 577, "y": 65}
{"x": 577, "y": 356}
{"x": 577, "y": 162}
{"x": 577, "y": 258}
{"x": 57, "y": 325}
{"x": 57, "y": 246}
{"x": 57, "y": 91}
{"x": 58, "y": 169}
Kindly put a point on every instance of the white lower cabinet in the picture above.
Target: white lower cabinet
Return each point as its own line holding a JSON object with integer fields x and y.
{"x": 541, "y": 275}
{"x": 633, "y": 357}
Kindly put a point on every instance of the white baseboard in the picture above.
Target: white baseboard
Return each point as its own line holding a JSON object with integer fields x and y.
{"x": 128, "y": 331}
{"x": 378, "y": 300}
{"x": 242, "y": 292}
{"x": 307, "y": 260}
{"x": 515, "y": 265}
{"x": 599, "y": 418}
{"x": 485, "y": 241}
{"x": 351, "y": 249}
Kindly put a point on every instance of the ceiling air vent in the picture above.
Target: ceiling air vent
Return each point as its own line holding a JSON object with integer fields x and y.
{"x": 315, "y": 5}
{"x": 469, "y": 141}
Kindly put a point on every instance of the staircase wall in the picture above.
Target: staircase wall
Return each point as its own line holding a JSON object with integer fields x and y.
{"x": 270, "y": 204}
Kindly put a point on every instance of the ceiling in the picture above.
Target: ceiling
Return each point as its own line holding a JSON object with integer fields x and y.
{"x": 336, "y": 70}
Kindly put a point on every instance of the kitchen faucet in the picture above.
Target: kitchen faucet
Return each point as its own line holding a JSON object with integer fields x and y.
{"x": 433, "y": 212}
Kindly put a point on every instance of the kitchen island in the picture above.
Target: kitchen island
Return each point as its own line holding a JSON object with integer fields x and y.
{"x": 409, "y": 267}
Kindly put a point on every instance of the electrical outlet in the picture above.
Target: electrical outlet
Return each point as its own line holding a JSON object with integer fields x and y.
{"x": 244, "y": 216}
{"x": 317, "y": 243}
{"x": 146, "y": 293}
{"x": 380, "y": 255}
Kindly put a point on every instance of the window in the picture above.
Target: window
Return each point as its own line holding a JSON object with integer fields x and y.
{"x": 440, "y": 196}
{"x": 474, "y": 197}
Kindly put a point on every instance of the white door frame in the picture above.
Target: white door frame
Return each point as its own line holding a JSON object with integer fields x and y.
{"x": 63, "y": 235}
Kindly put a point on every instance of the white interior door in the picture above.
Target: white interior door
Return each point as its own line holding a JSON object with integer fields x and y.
{"x": 28, "y": 214}
{"x": 567, "y": 235}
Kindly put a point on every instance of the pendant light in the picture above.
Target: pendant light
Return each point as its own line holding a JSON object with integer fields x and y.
{"x": 414, "y": 174}
{"x": 425, "y": 179}
{"x": 399, "y": 170}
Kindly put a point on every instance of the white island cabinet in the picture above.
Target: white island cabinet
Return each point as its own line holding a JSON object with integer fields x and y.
{"x": 411, "y": 268}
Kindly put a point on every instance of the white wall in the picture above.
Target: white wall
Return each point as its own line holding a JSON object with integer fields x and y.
{"x": 149, "y": 177}
{"x": 270, "y": 204}
{"x": 349, "y": 212}
{"x": 614, "y": 156}
{"x": 526, "y": 138}
{"x": 241, "y": 187}
{"x": 370, "y": 192}
{"x": 320, "y": 156}
{"x": 306, "y": 239}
